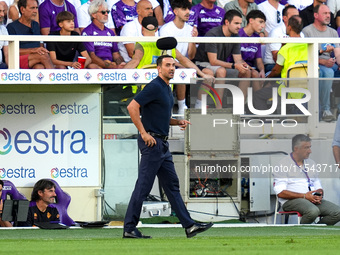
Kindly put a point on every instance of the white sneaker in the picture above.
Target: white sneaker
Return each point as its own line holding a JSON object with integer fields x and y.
{"x": 327, "y": 116}
{"x": 181, "y": 109}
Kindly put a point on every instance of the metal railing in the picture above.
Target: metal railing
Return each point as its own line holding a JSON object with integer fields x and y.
{"x": 313, "y": 127}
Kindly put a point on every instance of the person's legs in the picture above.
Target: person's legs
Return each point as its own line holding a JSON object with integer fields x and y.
{"x": 221, "y": 72}
{"x": 325, "y": 87}
{"x": 308, "y": 210}
{"x": 261, "y": 97}
{"x": 148, "y": 167}
{"x": 180, "y": 93}
{"x": 169, "y": 181}
{"x": 244, "y": 85}
{"x": 44, "y": 60}
{"x": 329, "y": 212}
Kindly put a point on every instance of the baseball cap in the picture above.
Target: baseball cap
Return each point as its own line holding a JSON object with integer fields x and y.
{"x": 150, "y": 23}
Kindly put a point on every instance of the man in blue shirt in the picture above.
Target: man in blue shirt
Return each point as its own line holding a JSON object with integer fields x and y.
{"x": 154, "y": 103}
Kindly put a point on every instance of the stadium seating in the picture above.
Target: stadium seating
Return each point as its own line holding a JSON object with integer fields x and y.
{"x": 10, "y": 189}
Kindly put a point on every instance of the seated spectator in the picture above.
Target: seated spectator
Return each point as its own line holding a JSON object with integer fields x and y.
{"x": 104, "y": 54}
{"x": 13, "y": 12}
{"x": 32, "y": 54}
{"x": 170, "y": 16}
{"x": 273, "y": 11}
{"x": 2, "y": 223}
{"x": 287, "y": 56}
{"x": 43, "y": 195}
{"x": 307, "y": 14}
{"x": 251, "y": 52}
{"x": 206, "y": 16}
{"x": 299, "y": 189}
{"x": 48, "y": 11}
{"x": 328, "y": 63}
{"x": 179, "y": 28}
{"x": 84, "y": 18}
{"x": 134, "y": 28}
{"x": 146, "y": 53}
{"x": 213, "y": 56}
{"x": 243, "y": 6}
{"x": 280, "y": 31}
{"x": 63, "y": 53}
{"x": 123, "y": 12}
{"x": 3, "y": 44}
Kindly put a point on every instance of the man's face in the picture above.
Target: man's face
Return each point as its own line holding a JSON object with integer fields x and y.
{"x": 303, "y": 150}
{"x": 257, "y": 24}
{"x": 167, "y": 69}
{"x": 145, "y": 9}
{"x": 102, "y": 15}
{"x": 31, "y": 10}
{"x": 323, "y": 15}
{"x": 290, "y": 12}
{"x": 235, "y": 25}
{"x": 2, "y": 14}
{"x": 182, "y": 14}
{"x": 48, "y": 195}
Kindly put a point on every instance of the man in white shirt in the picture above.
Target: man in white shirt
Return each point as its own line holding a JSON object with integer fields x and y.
{"x": 273, "y": 11}
{"x": 270, "y": 55}
{"x": 298, "y": 187}
{"x": 134, "y": 28}
{"x": 179, "y": 28}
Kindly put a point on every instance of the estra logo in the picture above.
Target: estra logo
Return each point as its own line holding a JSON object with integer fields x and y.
{"x": 53, "y": 141}
{"x": 6, "y": 147}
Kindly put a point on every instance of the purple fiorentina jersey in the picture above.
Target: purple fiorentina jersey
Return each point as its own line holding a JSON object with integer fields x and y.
{"x": 249, "y": 51}
{"x": 205, "y": 19}
{"x": 170, "y": 16}
{"x": 122, "y": 13}
{"x": 283, "y": 2}
{"x": 49, "y": 11}
{"x": 103, "y": 50}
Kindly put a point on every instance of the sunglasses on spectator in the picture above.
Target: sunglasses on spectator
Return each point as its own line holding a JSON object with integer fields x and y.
{"x": 103, "y": 12}
{"x": 278, "y": 17}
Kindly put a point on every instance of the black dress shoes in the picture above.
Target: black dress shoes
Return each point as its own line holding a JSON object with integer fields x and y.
{"x": 135, "y": 234}
{"x": 197, "y": 228}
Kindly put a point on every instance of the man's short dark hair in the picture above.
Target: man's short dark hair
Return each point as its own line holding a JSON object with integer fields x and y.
{"x": 229, "y": 15}
{"x": 295, "y": 22}
{"x": 41, "y": 185}
{"x": 183, "y": 4}
{"x": 285, "y": 10}
{"x": 23, "y": 3}
{"x": 1, "y": 183}
{"x": 255, "y": 14}
{"x": 296, "y": 140}
{"x": 160, "y": 59}
{"x": 64, "y": 15}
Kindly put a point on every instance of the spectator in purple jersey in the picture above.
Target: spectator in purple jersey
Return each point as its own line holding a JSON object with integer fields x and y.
{"x": 206, "y": 16}
{"x": 123, "y": 12}
{"x": 104, "y": 54}
{"x": 48, "y": 12}
{"x": 251, "y": 52}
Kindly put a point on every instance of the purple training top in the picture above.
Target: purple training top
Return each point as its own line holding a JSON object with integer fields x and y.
{"x": 103, "y": 50}
{"x": 205, "y": 19}
{"x": 283, "y": 2}
{"x": 249, "y": 51}
{"x": 49, "y": 11}
{"x": 122, "y": 13}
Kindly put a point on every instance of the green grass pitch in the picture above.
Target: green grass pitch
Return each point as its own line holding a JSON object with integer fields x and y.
{"x": 290, "y": 240}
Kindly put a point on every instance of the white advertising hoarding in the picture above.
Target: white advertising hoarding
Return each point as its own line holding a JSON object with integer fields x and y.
{"x": 50, "y": 135}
